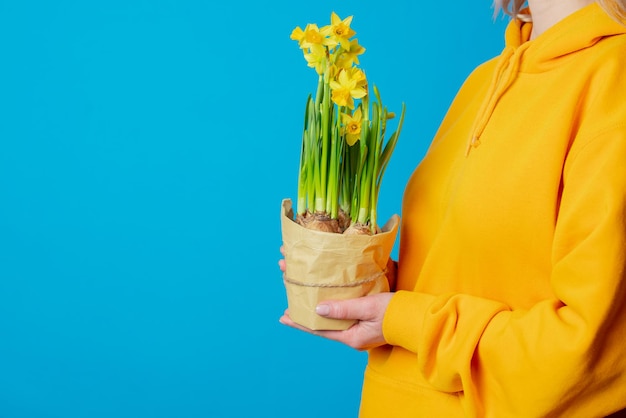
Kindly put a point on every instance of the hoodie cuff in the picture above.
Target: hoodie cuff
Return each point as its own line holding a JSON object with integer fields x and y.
{"x": 404, "y": 319}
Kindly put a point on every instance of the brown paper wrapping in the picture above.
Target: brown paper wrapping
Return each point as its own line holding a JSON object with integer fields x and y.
{"x": 324, "y": 266}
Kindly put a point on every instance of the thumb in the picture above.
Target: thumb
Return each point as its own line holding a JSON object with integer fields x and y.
{"x": 359, "y": 309}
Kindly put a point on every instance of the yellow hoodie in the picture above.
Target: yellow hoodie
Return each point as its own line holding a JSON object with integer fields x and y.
{"x": 511, "y": 298}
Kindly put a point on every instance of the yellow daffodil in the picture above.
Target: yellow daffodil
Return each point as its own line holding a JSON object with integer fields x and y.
{"x": 312, "y": 35}
{"x": 352, "y": 126}
{"x": 359, "y": 76}
{"x": 349, "y": 57}
{"x": 345, "y": 90}
{"x": 297, "y": 34}
{"x": 316, "y": 57}
{"x": 340, "y": 30}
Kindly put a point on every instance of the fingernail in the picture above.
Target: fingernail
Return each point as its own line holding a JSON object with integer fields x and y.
{"x": 322, "y": 310}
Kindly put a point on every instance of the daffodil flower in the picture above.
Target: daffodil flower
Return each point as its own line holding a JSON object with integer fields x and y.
{"x": 352, "y": 126}
{"x": 340, "y": 30}
{"x": 312, "y": 35}
{"x": 345, "y": 90}
{"x": 347, "y": 58}
{"x": 359, "y": 76}
{"x": 316, "y": 57}
{"x": 297, "y": 35}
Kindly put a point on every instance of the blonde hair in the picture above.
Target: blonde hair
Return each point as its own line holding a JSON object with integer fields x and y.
{"x": 615, "y": 8}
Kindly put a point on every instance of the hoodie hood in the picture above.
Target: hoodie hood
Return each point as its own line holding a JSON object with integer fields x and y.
{"x": 580, "y": 30}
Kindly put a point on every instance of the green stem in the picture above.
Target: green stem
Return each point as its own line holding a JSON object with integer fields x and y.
{"x": 320, "y": 90}
{"x": 332, "y": 204}
{"x": 368, "y": 173}
{"x": 377, "y": 137}
{"x": 302, "y": 174}
{"x": 320, "y": 202}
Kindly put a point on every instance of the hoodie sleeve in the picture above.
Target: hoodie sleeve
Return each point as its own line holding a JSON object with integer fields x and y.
{"x": 561, "y": 357}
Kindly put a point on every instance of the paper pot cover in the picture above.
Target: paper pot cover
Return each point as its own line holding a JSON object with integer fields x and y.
{"x": 324, "y": 266}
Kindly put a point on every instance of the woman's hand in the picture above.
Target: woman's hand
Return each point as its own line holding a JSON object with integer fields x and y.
{"x": 368, "y": 311}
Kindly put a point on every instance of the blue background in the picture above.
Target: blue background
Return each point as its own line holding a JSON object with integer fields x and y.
{"x": 145, "y": 147}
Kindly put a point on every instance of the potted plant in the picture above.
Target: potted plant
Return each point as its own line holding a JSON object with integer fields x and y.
{"x": 334, "y": 247}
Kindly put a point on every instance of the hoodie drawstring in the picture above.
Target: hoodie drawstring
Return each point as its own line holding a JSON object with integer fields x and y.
{"x": 504, "y": 74}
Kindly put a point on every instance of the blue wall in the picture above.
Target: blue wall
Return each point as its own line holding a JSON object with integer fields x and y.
{"x": 145, "y": 147}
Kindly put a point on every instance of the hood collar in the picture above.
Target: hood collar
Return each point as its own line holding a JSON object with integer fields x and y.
{"x": 578, "y": 31}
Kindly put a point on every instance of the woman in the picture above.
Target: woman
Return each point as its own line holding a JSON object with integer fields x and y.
{"x": 511, "y": 280}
